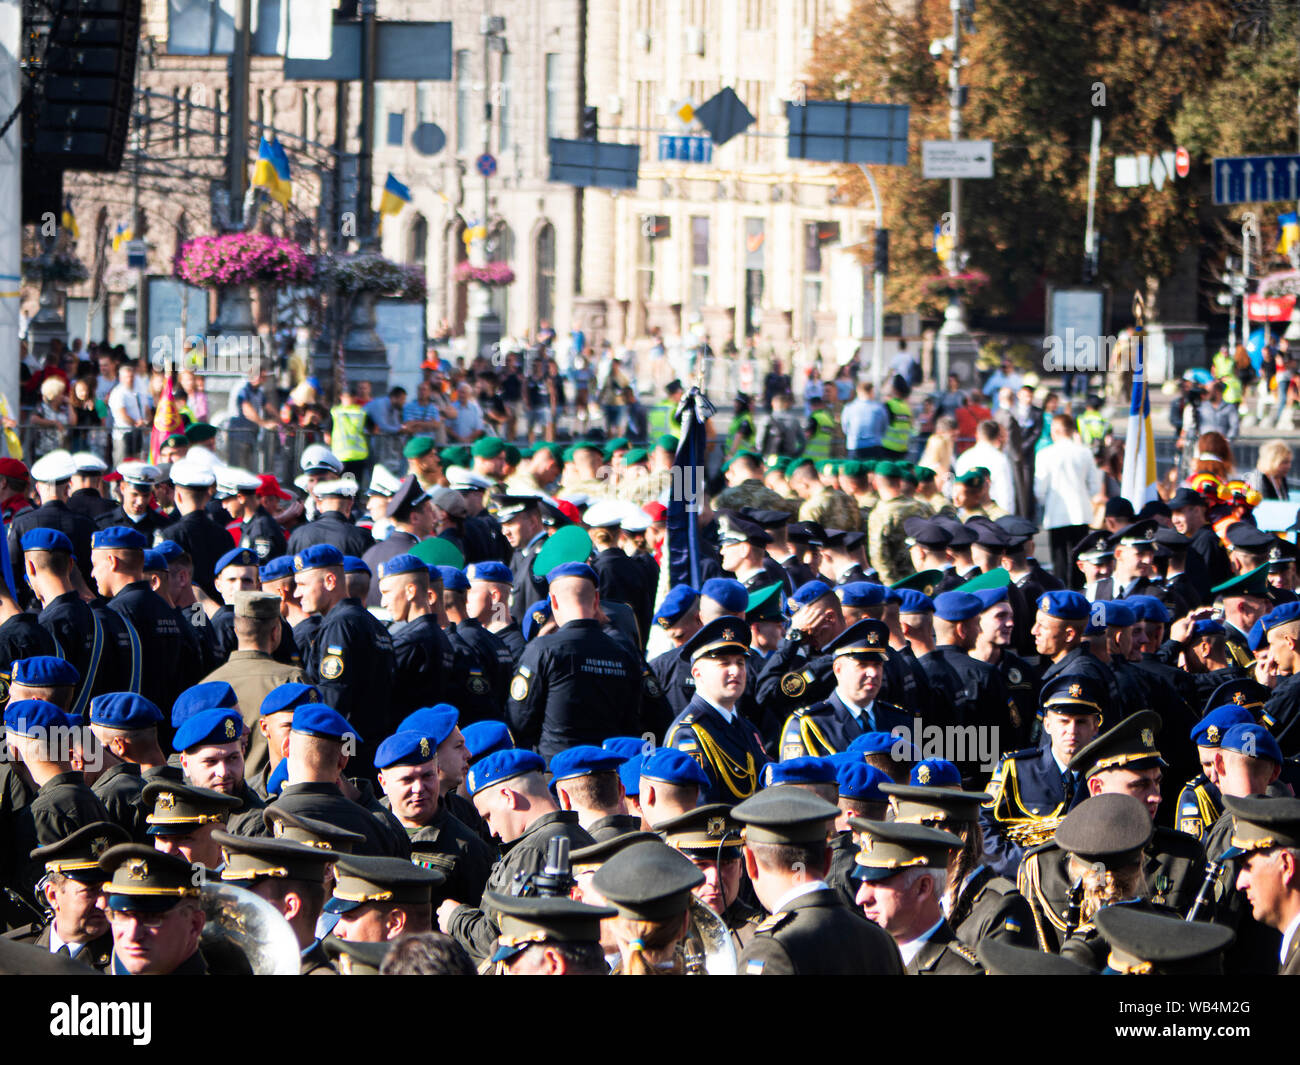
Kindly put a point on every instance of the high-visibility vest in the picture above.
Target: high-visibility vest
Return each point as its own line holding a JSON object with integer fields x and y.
{"x": 899, "y": 434}
{"x": 1092, "y": 427}
{"x": 734, "y": 434}
{"x": 820, "y": 442}
{"x": 658, "y": 420}
{"x": 348, "y": 434}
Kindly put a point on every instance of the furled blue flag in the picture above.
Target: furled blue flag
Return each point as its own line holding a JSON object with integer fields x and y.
{"x": 686, "y": 492}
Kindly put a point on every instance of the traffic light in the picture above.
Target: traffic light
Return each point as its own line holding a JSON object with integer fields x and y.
{"x": 882, "y": 251}
{"x": 590, "y": 124}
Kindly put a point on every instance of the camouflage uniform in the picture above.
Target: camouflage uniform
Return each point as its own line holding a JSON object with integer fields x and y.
{"x": 524, "y": 483}
{"x": 753, "y": 493}
{"x": 886, "y": 540}
{"x": 989, "y": 510}
{"x": 832, "y": 509}
{"x": 646, "y": 489}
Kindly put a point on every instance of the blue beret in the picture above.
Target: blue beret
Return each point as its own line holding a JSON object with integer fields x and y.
{"x": 1257, "y": 638}
{"x": 154, "y": 562}
{"x": 630, "y": 774}
{"x": 910, "y": 601}
{"x": 44, "y": 671}
{"x": 799, "y": 771}
{"x": 1209, "y": 627}
{"x": 728, "y": 594}
{"x": 1211, "y": 728}
{"x": 990, "y": 597}
{"x": 46, "y": 540}
{"x": 873, "y": 743}
{"x": 318, "y": 556}
{"x": 957, "y": 606}
{"x": 1111, "y": 614}
{"x": 625, "y": 746}
{"x": 935, "y": 773}
{"x": 860, "y": 781}
{"x": 571, "y": 569}
{"x": 1149, "y": 608}
{"x": 862, "y": 593}
{"x": 123, "y": 710}
{"x": 171, "y": 550}
{"x": 1254, "y": 741}
{"x": 405, "y": 747}
{"x": 278, "y": 779}
{"x": 118, "y": 536}
{"x": 484, "y": 737}
{"x": 353, "y": 564}
{"x": 584, "y": 760}
{"x": 1286, "y": 612}
{"x": 26, "y": 715}
{"x": 892, "y": 595}
{"x": 208, "y": 728}
{"x": 495, "y": 572}
{"x": 210, "y": 695}
{"x": 288, "y": 697}
{"x": 240, "y": 556}
{"x": 453, "y": 580}
{"x": 535, "y": 617}
{"x": 277, "y": 569}
{"x": 678, "y": 601}
{"x": 317, "y": 719}
{"x": 1068, "y": 606}
{"x": 399, "y": 564}
{"x": 499, "y": 766}
{"x": 671, "y": 766}
{"x": 437, "y": 722}
{"x": 808, "y": 593}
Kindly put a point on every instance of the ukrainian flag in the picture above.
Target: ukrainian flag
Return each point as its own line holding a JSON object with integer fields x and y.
{"x": 395, "y": 197}
{"x": 1290, "y": 227}
{"x": 942, "y": 242}
{"x": 69, "y": 220}
{"x": 1138, "y": 482}
{"x": 272, "y": 171}
{"x": 122, "y": 234}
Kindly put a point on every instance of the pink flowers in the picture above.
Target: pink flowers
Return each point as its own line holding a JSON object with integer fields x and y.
{"x": 493, "y": 274}
{"x": 61, "y": 267}
{"x": 369, "y": 272}
{"x": 229, "y": 259}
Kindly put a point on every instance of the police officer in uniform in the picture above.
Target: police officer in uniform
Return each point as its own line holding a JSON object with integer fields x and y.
{"x": 424, "y": 659}
{"x": 137, "y": 509}
{"x": 51, "y": 474}
{"x": 971, "y": 690}
{"x": 153, "y": 907}
{"x": 521, "y": 524}
{"x": 810, "y": 931}
{"x": 333, "y": 526}
{"x": 1200, "y": 803}
{"x": 854, "y": 707}
{"x": 258, "y": 531}
{"x": 1059, "y": 628}
{"x": 411, "y": 516}
{"x": 87, "y": 494}
{"x": 197, "y": 533}
{"x": 221, "y": 625}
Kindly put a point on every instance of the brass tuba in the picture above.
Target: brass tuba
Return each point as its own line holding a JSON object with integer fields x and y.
{"x": 246, "y": 934}
{"x": 708, "y": 949}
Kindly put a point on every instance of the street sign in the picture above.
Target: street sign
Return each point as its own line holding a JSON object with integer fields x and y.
{"x": 136, "y": 254}
{"x": 1270, "y": 308}
{"x": 1256, "y": 179}
{"x": 724, "y": 116}
{"x": 1182, "y": 162}
{"x": 486, "y": 165}
{"x": 428, "y": 138}
{"x": 684, "y": 149}
{"x": 1136, "y": 171}
{"x": 594, "y": 164}
{"x": 957, "y": 159}
{"x": 843, "y": 131}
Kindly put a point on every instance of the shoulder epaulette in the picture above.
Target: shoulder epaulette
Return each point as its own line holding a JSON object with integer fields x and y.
{"x": 963, "y": 951}
{"x": 771, "y": 924}
{"x": 1028, "y": 752}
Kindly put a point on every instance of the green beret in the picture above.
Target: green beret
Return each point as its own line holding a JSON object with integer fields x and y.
{"x": 975, "y": 475}
{"x": 417, "y": 447}
{"x": 513, "y": 455}
{"x": 908, "y": 472}
{"x": 200, "y": 431}
{"x": 852, "y": 468}
{"x": 830, "y": 465}
{"x": 176, "y": 440}
{"x": 889, "y": 469}
{"x": 556, "y": 451}
{"x": 794, "y": 464}
{"x": 438, "y": 551}
{"x": 639, "y": 454}
{"x": 667, "y": 442}
{"x": 488, "y": 447}
{"x": 619, "y": 443}
{"x": 923, "y": 474}
{"x": 455, "y": 456}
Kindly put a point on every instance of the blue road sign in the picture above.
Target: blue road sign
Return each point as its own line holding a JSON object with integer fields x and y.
{"x": 839, "y": 131}
{"x": 1256, "y": 179}
{"x": 485, "y": 165}
{"x": 684, "y": 149}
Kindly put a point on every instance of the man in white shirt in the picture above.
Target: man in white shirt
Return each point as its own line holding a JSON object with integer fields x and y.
{"x": 128, "y": 411}
{"x": 1068, "y": 483}
{"x": 987, "y": 452}
{"x": 469, "y": 424}
{"x": 902, "y": 876}
{"x": 1267, "y": 835}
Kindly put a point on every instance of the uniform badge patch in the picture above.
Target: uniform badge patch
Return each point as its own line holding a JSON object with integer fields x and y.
{"x": 331, "y": 667}
{"x": 923, "y": 774}
{"x": 262, "y": 546}
{"x": 754, "y": 968}
{"x": 652, "y": 686}
{"x": 791, "y": 750}
{"x": 793, "y": 685}
{"x": 230, "y": 729}
{"x": 1014, "y": 675}
{"x": 1148, "y": 738}
{"x": 519, "y": 689}
{"x": 478, "y": 684}
{"x": 1212, "y": 733}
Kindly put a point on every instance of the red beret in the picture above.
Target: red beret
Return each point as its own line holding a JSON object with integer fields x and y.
{"x": 13, "y": 468}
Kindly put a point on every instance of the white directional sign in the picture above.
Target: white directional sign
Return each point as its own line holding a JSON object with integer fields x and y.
{"x": 957, "y": 159}
{"x": 1134, "y": 171}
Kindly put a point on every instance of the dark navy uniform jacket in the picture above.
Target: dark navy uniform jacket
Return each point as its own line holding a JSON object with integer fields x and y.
{"x": 513, "y": 637}
{"x": 21, "y": 637}
{"x": 488, "y": 660}
{"x": 426, "y": 663}
{"x": 1027, "y": 785}
{"x": 794, "y": 675}
{"x": 263, "y": 535}
{"x": 523, "y": 593}
{"x": 829, "y": 727}
{"x": 71, "y": 622}
{"x": 398, "y": 542}
{"x": 89, "y": 502}
{"x": 351, "y": 662}
{"x": 148, "y": 524}
{"x": 1282, "y": 715}
{"x": 624, "y": 581}
{"x": 205, "y": 541}
{"x": 971, "y": 691}
{"x": 730, "y": 753}
{"x": 168, "y": 658}
{"x": 331, "y": 528}
{"x": 1081, "y": 660}
{"x": 672, "y": 672}
{"x": 905, "y": 682}
{"x": 52, "y": 515}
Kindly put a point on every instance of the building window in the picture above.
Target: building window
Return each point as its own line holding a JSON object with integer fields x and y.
{"x": 503, "y": 105}
{"x": 755, "y": 256}
{"x": 553, "y": 89}
{"x": 545, "y": 273}
{"x": 645, "y": 267}
{"x": 418, "y": 241}
{"x": 464, "y": 86}
{"x": 812, "y": 249}
{"x": 501, "y": 249}
{"x": 699, "y": 261}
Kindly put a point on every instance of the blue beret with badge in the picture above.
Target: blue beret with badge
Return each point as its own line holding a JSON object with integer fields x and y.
{"x": 1149, "y": 608}
{"x": 353, "y": 564}
{"x": 286, "y": 697}
{"x": 671, "y": 766}
{"x": 861, "y": 782}
{"x": 1068, "y": 606}
{"x": 935, "y": 773}
{"x": 872, "y": 743}
{"x": 46, "y": 540}
{"x": 1210, "y": 730}
{"x": 535, "y": 617}
{"x": 44, "y": 671}
{"x": 1254, "y": 741}
{"x": 571, "y": 569}
{"x": 453, "y": 579}
{"x": 491, "y": 572}
{"x": 1281, "y": 615}
{"x": 799, "y": 771}
{"x": 499, "y": 766}
{"x": 399, "y": 565}
{"x": 276, "y": 570}
{"x": 208, "y": 728}
{"x": 124, "y": 710}
{"x": 405, "y": 747}
{"x": 318, "y": 719}
{"x": 484, "y": 737}
{"x": 630, "y": 775}
{"x": 625, "y": 746}
{"x": 859, "y": 594}
{"x": 318, "y": 556}
{"x": 437, "y": 722}
{"x": 1257, "y": 638}
{"x": 957, "y": 606}
{"x": 808, "y": 593}
{"x": 727, "y": 593}
{"x": 240, "y": 556}
{"x": 25, "y": 717}
{"x": 584, "y": 760}
{"x": 278, "y": 779}
{"x": 210, "y": 695}
{"x": 680, "y": 599}
{"x": 118, "y": 538}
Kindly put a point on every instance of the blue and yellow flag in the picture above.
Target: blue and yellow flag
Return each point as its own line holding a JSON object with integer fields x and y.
{"x": 69, "y": 220}
{"x": 1290, "y": 232}
{"x": 395, "y": 197}
{"x": 121, "y": 234}
{"x": 272, "y": 171}
{"x": 942, "y": 242}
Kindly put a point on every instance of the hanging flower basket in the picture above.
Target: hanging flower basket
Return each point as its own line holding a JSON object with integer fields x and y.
{"x": 493, "y": 275}
{"x": 957, "y": 284}
{"x": 230, "y": 259}
{"x": 61, "y": 267}
{"x": 369, "y": 272}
